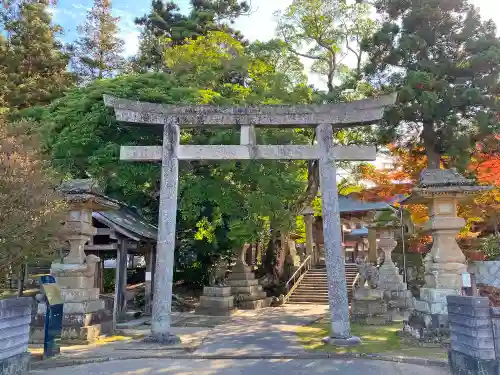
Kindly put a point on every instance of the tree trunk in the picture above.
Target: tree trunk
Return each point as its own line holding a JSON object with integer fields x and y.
{"x": 21, "y": 280}
{"x": 431, "y": 146}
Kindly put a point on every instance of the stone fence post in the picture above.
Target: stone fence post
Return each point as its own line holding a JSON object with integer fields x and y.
{"x": 15, "y": 318}
{"x": 473, "y": 337}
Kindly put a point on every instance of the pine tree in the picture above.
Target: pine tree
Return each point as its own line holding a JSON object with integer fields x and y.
{"x": 97, "y": 52}
{"x": 166, "y": 21}
{"x": 444, "y": 61}
{"x": 33, "y": 62}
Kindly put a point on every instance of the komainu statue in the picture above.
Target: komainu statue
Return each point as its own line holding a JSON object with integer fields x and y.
{"x": 367, "y": 274}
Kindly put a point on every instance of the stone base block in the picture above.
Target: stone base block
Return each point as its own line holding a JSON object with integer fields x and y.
{"x": 77, "y": 328}
{"x": 77, "y": 320}
{"x": 252, "y": 305}
{"x": 370, "y": 320}
{"x": 437, "y": 295}
{"x": 246, "y": 289}
{"x": 223, "y": 303}
{"x": 368, "y": 307}
{"x": 75, "y": 282}
{"x": 76, "y": 307}
{"x": 463, "y": 364}
{"x": 367, "y": 293}
{"x": 217, "y": 291}
{"x": 74, "y": 335}
{"x": 427, "y": 327}
{"x": 250, "y": 297}
{"x": 240, "y": 283}
{"x": 80, "y": 295}
{"x": 15, "y": 365}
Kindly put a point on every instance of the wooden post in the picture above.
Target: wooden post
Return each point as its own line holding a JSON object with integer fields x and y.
{"x": 120, "y": 281}
{"x": 148, "y": 281}
{"x": 372, "y": 245}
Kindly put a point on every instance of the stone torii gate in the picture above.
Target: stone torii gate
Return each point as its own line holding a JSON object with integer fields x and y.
{"x": 322, "y": 117}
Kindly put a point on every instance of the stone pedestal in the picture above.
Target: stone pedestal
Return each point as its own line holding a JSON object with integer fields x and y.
{"x": 441, "y": 190}
{"x": 396, "y": 294}
{"x": 85, "y": 317}
{"x": 368, "y": 306}
{"x": 216, "y": 301}
{"x": 245, "y": 288}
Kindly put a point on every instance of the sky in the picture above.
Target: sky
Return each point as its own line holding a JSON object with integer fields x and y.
{"x": 259, "y": 25}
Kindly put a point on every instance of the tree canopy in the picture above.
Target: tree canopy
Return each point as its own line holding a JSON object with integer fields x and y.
{"x": 33, "y": 62}
{"x": 98, "y": 50}
{"x": 444, "y": 61}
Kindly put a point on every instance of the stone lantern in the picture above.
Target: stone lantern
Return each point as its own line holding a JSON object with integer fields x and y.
{"x": 396, "y": 294}
{"x": 85, "y": 317}
{"x": 440, "y": 190}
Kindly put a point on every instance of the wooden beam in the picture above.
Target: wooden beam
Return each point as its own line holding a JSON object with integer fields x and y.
{"x": 103, "y": 231}
{"x": 365, "y": 111}
{"x": 247, "y": 152}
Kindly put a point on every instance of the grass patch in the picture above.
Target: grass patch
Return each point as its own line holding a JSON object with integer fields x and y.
{"x": 375, "y": 340}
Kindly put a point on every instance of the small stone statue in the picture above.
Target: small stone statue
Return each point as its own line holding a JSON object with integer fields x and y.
{"x": 367, "y": 273}
{"x": 218, "y": 275}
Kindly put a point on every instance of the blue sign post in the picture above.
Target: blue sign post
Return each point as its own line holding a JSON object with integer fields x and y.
{"x": 53, "y": 316}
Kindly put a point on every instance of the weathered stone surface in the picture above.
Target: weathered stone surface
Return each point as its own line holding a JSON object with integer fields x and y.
{"x": 246, "y": 152}
{"x": 15, "y": 365}
{"x": 77, "y": 320}
{"x": 240, "y": 283}
{"x": 334, "y": 257}
{"x": 215, "y": 291}
{"x": 367, "y": 307}
{"x": 464, "y": 364}
{"x": 76, "y": 307}
{"x": 246, "y": 289}
{"x": 80, "y": 295}
{"x": 75, "y": 282}
{"x": 357, "y": 112}
{"x": 15, "y": 314}
{"x": 252, "y": 305}
{"x": 486, "y": 272}
{"x": 249, "y": 297}
{"x": 475, "y": 302}
{"x": 437, "y": 295}
{"x": 217, "y": 302}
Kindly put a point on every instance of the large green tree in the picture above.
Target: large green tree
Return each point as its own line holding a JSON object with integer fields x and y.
{"x": 326, "y": 32}
{"x": 445, "y": 63}
{"x": 98, "y": 50}
{"x": 166, "y": 21}
{"x": 221, "y": 204}
{"x": 33, "y": 63}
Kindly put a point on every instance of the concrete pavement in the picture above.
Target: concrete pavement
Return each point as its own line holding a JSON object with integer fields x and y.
{"x": 245, "y": 367}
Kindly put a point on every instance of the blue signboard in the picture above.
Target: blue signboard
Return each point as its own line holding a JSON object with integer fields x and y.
{"x": 53, "y": 316}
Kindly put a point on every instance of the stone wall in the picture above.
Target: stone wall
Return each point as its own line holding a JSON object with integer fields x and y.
{"x": 475, "y": 333}
{"x": 15, "y": 317}
{"x": 487, "y": 272}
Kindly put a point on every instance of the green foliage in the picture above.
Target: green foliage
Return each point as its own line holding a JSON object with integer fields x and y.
{"x": 32, "y": 60}
{"x": 445, "y": 63}
{"x": 222, "y": 205}
{"x": 325, "y": 31}
{"x": 108, "y": 280}
{"x": 166, "y": 21}
{"x": 490, "y": 246}
{"x": 98, "y": 49}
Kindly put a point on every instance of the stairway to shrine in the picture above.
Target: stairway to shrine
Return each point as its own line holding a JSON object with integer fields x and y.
{"x": 314, "y": 288}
